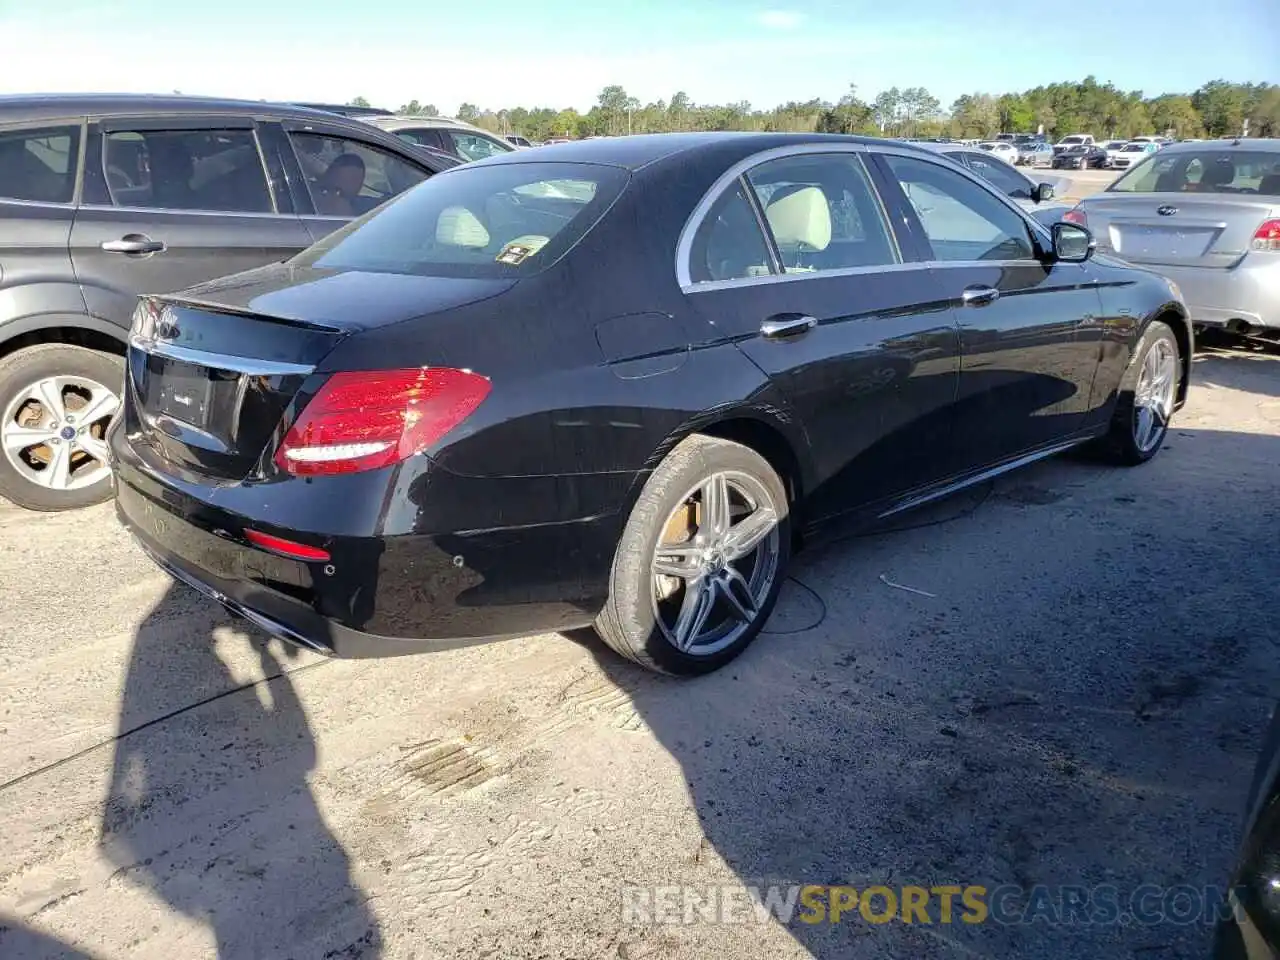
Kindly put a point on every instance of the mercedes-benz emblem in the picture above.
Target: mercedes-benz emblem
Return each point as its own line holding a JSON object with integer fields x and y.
{"x": 1168, "y": 210}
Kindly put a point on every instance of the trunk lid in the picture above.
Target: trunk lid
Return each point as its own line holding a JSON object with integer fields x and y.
{"x": 213, "y": 370}
{"x": 1174, "y": 229}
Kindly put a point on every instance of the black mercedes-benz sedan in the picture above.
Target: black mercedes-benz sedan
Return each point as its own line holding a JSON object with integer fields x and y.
{"x": 615, "y": 383}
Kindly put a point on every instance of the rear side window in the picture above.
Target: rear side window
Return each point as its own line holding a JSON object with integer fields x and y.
{"x": 217, "y": 170}
{"x": 504, "y": 220}
{"x": 39, "y": 165}
{"x": 348, "y": 178}
{"x": 1243, "y": 172}
{"x": 729, "y": 244}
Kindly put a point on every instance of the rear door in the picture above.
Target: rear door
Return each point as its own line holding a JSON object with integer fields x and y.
{"x": 796, "y": 261}
{"x": 1188, "y": 208}
{"x": 171, "y": 202}
{"x": 1028, "y": 356}
{"x": 341, "y": 175}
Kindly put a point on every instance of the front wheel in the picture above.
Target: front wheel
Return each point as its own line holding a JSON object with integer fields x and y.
{"x": 55, "y": 403}
{"x": 701, "y": 561}
{"x": 1148, "y": 393}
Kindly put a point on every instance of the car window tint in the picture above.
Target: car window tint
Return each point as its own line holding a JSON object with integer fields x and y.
{"x": 962, "y": 220}
{"x": 423, "y": 138}
{"x": 505, "y": 221}
{"x": 39, "y": 165}
{"x": 1204, "y": 171}
{"x": 823, "y": 213}
{"x": 348, "y": 178}
{"x": 729, "y": 244}
{"x": 471, "y": 146}
{"x": 186, "y": 170}
{"x": 1005, "y": 179}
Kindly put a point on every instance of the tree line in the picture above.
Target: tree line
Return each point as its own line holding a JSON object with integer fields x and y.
{"x": 1216, "y": 109}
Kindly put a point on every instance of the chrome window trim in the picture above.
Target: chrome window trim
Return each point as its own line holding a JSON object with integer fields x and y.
{"x": 182, "y": 211}
{"x": 38, "y": 203}
{"x": 252, "y": 366}
{"x": 684, "y": 247}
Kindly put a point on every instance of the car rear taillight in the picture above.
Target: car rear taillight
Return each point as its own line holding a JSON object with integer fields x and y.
{"x": 1267, "y": 236}
{"x": 1076, "y": 216}
{"x": 371, "y": 419}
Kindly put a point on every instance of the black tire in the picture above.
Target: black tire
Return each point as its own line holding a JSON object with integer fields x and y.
{"x": 1120, "y": 445}
{"x": 27, "y": 366}
{"x": 628, "y": 622}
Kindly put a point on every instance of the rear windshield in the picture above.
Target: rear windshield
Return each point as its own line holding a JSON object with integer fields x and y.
{"x": 1072, "y": 140}
{"x": 1244, "y": 172}
{"x": 486, "y": 220}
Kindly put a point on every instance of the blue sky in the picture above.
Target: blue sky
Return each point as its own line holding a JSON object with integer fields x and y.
{"x": 562, "y": 52}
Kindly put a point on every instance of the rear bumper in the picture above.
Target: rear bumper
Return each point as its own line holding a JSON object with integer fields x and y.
{"x": 1248, "y": 293}
{"x": 376, "y": 596}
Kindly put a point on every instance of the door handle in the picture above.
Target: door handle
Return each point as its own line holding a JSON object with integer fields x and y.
{"x": 134, "y": 243}
{"x": 783, "y": 325}
{"x": 979, "y": 296}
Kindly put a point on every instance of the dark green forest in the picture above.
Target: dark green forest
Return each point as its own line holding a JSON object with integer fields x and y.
{"x": 1218, "y": 108}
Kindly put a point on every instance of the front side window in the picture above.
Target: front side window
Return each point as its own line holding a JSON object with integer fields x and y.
{"x": 1004, "y": 178}
{"x": 1247, "y": 172}
{"x": 507, "y": 220}
{"x": 348, "y": 178}
{"x": 219, "y": 170}
{"x": 39, "y": 165}
{"x": 961, "y": 220}
{"x": 471, "y": 146}
{"x": 823, "y": 213}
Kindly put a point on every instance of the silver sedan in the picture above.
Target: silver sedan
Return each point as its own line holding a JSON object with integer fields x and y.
{"x": 1207, "y": 216}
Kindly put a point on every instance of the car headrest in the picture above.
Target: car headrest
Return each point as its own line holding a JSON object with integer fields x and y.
{"x": 1218, "y": 173}
{"x": 1270, "y": 185}
{"x": 459, "y": 227}
{"x": 800, "y": 218}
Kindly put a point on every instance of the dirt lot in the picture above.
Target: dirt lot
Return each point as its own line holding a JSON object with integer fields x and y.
{"x": 1078, "y": 702}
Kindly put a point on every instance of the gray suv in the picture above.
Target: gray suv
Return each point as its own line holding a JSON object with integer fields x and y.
{"x": 103, "y": 198}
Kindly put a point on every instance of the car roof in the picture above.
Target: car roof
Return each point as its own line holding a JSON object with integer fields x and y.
{"x": 638, "y": 151}
{"x": 15, "y": 108}
{"x": 402, "y": 121}
{"x": 1266, "y": 145}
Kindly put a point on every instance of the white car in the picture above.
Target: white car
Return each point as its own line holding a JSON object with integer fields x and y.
{"x": 1113, "y": 148}
{"x": 1003, "y": 149}
{"x": 1131, "y": 153}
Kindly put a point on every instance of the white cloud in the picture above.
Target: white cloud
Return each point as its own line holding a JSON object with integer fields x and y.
{"x": 779, "y": 19}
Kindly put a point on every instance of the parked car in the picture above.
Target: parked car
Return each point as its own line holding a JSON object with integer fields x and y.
{"x": 1073, "y": 140}
{"x": 1034, "y": 197}
{"x": 462, "y": 140}
{"x": 1131, "y": 153}
{"x": 1113, "y": 148}
{"x": 106, "y": 197}
{"x": 1035, "y": 153}
{"x": 1205, "y": 215}
{"x": 1081, "y": 156}
{"x": 1003, "y": 149}
{"x": 1250, "y": 930}
{"x": 467, "y": 416}
{"x": 518, "y": 141}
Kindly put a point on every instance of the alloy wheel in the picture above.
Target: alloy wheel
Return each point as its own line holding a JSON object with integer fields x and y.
{"x": 715, "y": 563}
{"x": 1153, "y": 396}
{"x": 53, "y": 432}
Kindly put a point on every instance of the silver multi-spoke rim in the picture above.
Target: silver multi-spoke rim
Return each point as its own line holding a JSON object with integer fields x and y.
{"x": 715, "y": 563}
{"x": 54, "y": 432}
{"x": 1154, "y": 396}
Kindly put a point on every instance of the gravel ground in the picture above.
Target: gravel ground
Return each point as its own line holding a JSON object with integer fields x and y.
{"x": 1077, "y": 701}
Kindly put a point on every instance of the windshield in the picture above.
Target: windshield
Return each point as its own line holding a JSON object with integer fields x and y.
{"x": 1072, "y": 140}
{"x": 490, "y": 220}
{"x": 1134, "y": 147}
{"x": 1244, "y": 172}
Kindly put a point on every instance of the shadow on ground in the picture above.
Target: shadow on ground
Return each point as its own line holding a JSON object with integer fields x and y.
{"x": 194, "y": 793}
{"x": 1079, "y": 703}
{"x": 1237, "y": 363}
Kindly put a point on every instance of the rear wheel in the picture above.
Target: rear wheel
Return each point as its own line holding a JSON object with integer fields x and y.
{"x": 1148, "y": 393}
{"x": 55, "y": 403}
{"x": 701, "y": 561}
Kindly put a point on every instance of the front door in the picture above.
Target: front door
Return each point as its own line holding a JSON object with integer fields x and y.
{"x": 170, "y": 203}
{"x": 1027, "y": 363}
{"x": 860, "y": 342}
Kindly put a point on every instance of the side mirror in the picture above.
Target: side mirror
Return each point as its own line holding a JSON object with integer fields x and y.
{"x": 1042, "y": 192}
{"x": 1072, "y": 243}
